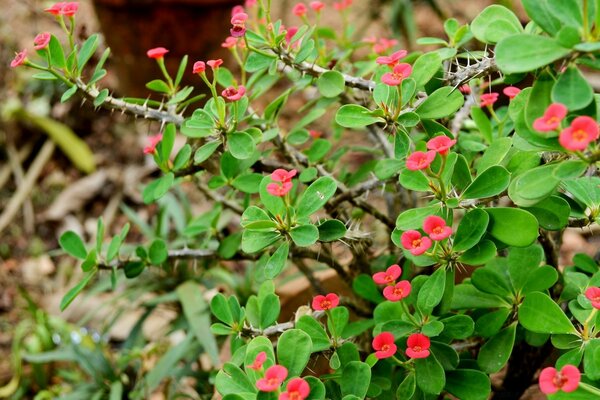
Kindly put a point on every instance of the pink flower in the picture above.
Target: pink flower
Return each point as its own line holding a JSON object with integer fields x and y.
{"x": 342, "y": 5}
{"x": 279, "y": 190}
{"x": 436, "y": 227}
{"x": 214, "y": 64}
{"x": 299, "y": 10}
{"x": 233, "y": 94}
{"x": 56, "y": 8}
{"x": 441, "y": 144}
{"x": 297, "y": 389}
{"x": 327, "y": 302}
{"x": 400, "y": 71}
{"x": 239, "y": 25}
{"x": 511, "y": 92}
{"x": 258, "y": 361}
{"x": 69, "y": 9}
{"x": 567, "y": 380}
{"x": 398, "y": 291}
{"x": 230, "y": 42}
{"x": 315, "y": 134}
{"x": 317, "y": 6}
{"x": 551, "y": 119}
{"x": 153, "y": 141}
{"x": 593, "y": 295}
{"x": 237, "y": 10}
{"x": 274, "y": 377}
{"x": 583, "y": 131}
{"x": 383, "y": 45}
{"x": 384, "y": 345}
{"x": 283, "y": 176}
{"x": 488, "y": 99}
{"x": 41, "y": 41}
{"x": 417, "y": 346}
{"x": 289, "y": 34}
{"x": 199, "y": 67}
{"x": 19, "y": 59}
{"x": 249, "y": 3}
{"x": 415, "y": 243}
{"x": 392, "y": 60}
{"x": 157, "y": 53}
{"x": 420, "y": 160}
{"x": 465, "y": 89}
{"x": 389, "y": 276}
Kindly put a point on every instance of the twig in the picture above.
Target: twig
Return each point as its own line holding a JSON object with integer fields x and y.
{"x": 218, "y": 199}
{"x": 466, "y": 73}
{"x": 13, "y": 159}
{"x": 27, "y": 185}
{"x": 23, "y": 153}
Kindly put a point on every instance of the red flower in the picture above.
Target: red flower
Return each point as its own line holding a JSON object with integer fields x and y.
{"x": 389, "y": 276}
{"x": 289, "y": 34}
{"x": 567, "y": 380}
{"x": 488, "y": 99}
{"x": 392, "y": 60}
{"x": 420, "y": 160}
{"x": 398, "y": 291}
{"x": 400, "y": 71}
{"x": 234, "y": 94}
{"x": 299, "y": 10}
{"x": 441, "y": 144}
{"x": 315, "y": 134}
{"x": 237, "y": 10}
{"x": 239, "y": 25}
{"x": 157, "y": 53}
{"x": 278, "y": 190}
{"x": 297, "y": 389}
{"x": 384, "y": 345}
{"x": 327, "y": 302}
{"x": 465, "y": 89}
{"x": 281, "y": 175}
{"x": 593, "y": 295}
{"x": 153, "y": 141}
{"x": 41, "y": 41}
{"x": 583, "y": 131}
{"x": 214, "y": 64}
{"x": 56, "y": 8}
{"x": 19, "y": 59}
{"x": 436, "y": 227}
{"x": 199, "y": 67}
{"x": 258, "y": 361}
{"x": 69, "y": 9}
{"x": 551, "y": 119}
{"x": 274, "y": 377}
{"x": 317, "y": 6}
{"x": 511, "y": 92}
{"x": 415, "y": 243}
{"x": 417, "y": 346}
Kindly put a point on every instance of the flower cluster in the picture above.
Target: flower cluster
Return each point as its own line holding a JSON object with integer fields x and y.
{"x": 488, "y": 99}
{"x": 567, "y": 379}
{"x": 284, "y": 182}
{"x": 417, "y": 345}
{"x": 64, "y": 8}
{"x": 381, "y": 45}
{"x": 418, "y": 244}
{"x": 576, "y": 137}
{"x": 399, "y": 72}
{"x": 422, "y": 160}
{"x": 296, "y": 388}
{"x": 393, "y": 291}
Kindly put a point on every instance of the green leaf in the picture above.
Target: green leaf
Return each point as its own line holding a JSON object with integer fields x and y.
{"x": 257, "y": 61}
{"x": 315, "y": 196}
{"x": 591, "y": 359}
{"x": 133, "y": 269}
{"x": 57, "y": 55}
{"x": 458, "y": 326}
{"x": 471, "y": 229}
{"x": 319, "y": 338}
{"x": 355, "y": 116}
{"x": 425, "y": 68}
{"x": 432, "y": 291}
{"x": 491, "y": 280}
{"x": 277, "y": 261}
{"x": 522, "y": 262}
{"x": 158, "y": 85}
{"x": 468, "y": 384}
{"x": 331, "y": 230}
{"x": 494, "y": 354}
{"x": 483, "y": 123}
{"x": 364, "y": 286}
{"x": 355, "y": 380}
{"x": 318, "y": 150}
{"x": 241, "y": 145}
{"x": 495, "y": 23}
{"x": 489, "y": 183}
{"x": 293, "y": 351}
{"x": 413, "y": 218}
{"x": 572, "y": 89}
{"x": 317, "y": 388}
{"x": 274, "y": 204}
{"x": 512, "y": 226}
{"x": 220, "y": 309}
{"x": 165, "y": 146}
{"x": 331, "y": 84}
{"x": 388, "y": 167}
{"x": 479, "y": 254}
{"x": 74, "y": 291}
{"x": 254, "y": 241}
{"x": 73, "y": 245}
{"x": 533, "y": 186}
{"x": 88, "y": 48}
{"x": 539, "y": 313}
{"x": 158, "y": 252}
{"x": 304, "y": 235}
{"x": 197, "y": 313}
{"x": 232, "y": 380}
{"x": 430, "y": 375}
{"x": 338, "y": 319}
{"x": 166, "y": 366}
{"x": 269, "y": 310}
{"x": 441, "y": 103}
{"x": 407, "y": 387}
{"x": 494, "y": 154}
{"x": 248, "y": 183}
{"x": 158, "y": 188}
{"x": 552, "y": 213}
{"x": 468, "y": 296}
{"x": 204, "y": 152}
{"x": 552, "y": 15}
{"x": 525, "y": 52}
{"x": 542, "y": 278}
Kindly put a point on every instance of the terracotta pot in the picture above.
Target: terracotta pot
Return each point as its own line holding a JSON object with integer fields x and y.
{"x": 131, "y": 27}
